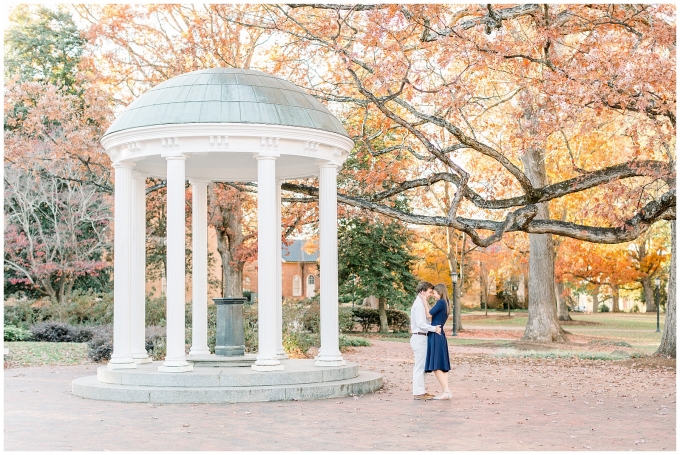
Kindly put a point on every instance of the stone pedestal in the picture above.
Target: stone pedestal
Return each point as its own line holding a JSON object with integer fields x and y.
{"x": 230, "y": 337}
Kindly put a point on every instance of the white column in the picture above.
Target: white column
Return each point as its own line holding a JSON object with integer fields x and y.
{"x": 329, "y": 352}
{"x": 138, "y": 269}
{"x": 268, "y": 251}
{"x": 175, "y": 358}
{"x": 199, "y": 285}
{"x": 280, "y": 352}
{"x": 122, "y": 264}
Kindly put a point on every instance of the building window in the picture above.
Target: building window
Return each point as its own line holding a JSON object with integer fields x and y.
{"x": 311, "y": 286}
{"x": 246, "y": 284}
{"x": 297, "y": 286}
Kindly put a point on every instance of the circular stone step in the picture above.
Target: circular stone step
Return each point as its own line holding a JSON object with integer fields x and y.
{"x": 89, "y": 387}
{"x": 294, "y": 371}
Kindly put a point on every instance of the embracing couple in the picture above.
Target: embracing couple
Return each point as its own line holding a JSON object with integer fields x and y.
{"x": 428, "y": 341}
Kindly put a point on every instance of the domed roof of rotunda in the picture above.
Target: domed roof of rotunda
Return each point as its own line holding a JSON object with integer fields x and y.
{"x": 227, "y": 95}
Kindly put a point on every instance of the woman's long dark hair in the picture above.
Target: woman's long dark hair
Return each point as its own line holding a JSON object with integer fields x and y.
{"x": 443, "y": 291}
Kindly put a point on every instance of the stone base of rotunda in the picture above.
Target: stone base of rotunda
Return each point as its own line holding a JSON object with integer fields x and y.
{"x": 299, "y": 380}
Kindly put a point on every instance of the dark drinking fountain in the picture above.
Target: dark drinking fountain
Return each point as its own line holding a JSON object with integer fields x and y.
{"x": 230, "y": 338}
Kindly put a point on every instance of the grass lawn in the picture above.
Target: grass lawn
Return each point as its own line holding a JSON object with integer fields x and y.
{"x": 637, "y": 329}
{"x": 34, "y": 353}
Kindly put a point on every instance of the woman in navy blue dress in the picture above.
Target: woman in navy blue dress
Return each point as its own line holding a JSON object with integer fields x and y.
{"x": 437, "y": 359}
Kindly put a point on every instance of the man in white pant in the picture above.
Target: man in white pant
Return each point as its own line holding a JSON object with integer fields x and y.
{"x": 419, "y": 329}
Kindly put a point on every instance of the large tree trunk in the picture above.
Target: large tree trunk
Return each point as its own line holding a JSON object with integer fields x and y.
{"x": 525, "y": 275}
{"x": 542, "y": 322}
{"x": 232, "y": 270}
{"x": 562, "y": 310}
{"x": 383, "y": 315}
{"x": 615, "y": 298}
{"x": 667, "y": 346}
{"x": 649, "y": 294}
{"x": 228, "y": 220}
{"x": 596, "y": 299}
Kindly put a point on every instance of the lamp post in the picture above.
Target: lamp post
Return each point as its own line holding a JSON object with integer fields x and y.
{"x": 514, "y": 294}
{"x": 657, "y": 282}
{"x": 454, "y": 280}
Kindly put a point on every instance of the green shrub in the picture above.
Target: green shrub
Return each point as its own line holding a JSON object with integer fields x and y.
{"x": 366, "y": 317}
{"x": 250, "y": 327}
{"x": 82, "y": 307}
{"x": 155, "y": 341}
{"x": 88, "y": 307}
{"x": 369, "y": 318}
{"x": 346, "y": 341}
{"x": 311, "y": 317}
{"x": 14, "y": 333}
{"x": 24, "y": 315}
{"x": 212, "y": 326}
{"x": 59, "y": 332}
{"x": 100, "y": 346}
{"x": 154, "y": 311}
{"x": 398, "y": 320}
{"x": 603, "y": 308}
{"x": 345, "y": 320}
{"x": 299, "y": 342}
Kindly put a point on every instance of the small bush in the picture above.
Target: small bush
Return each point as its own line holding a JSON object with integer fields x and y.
{"x": 13, "y": 333}
{"x": 156, "y": 342}
{"x": 398, "y": 320}
{"x": 346, "y": 341}
{"x": 23, "y": 314}
{"x": 635, "y": 309}
{"x": 368, "y": 318}
{"x": 155, "y": 310}
{"x": 250, "y": 327}
{"x": 604, "y": 308}
{"x": 60, "y": 332}
{"x": 100, "y": 346}
{"x": 311, "y": 318}
{"x": 345, "y": 320}
{"x": 88, "y": 307}
{"x": 299, "y": 342}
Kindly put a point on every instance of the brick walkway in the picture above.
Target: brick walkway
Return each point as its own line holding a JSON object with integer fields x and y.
{"x": 499, "y": 404}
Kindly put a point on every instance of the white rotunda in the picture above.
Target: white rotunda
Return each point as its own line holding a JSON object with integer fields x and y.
{"x": 219, "y": 125}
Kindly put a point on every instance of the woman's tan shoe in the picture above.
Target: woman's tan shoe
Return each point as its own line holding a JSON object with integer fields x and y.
{"x": 444, "y": 396}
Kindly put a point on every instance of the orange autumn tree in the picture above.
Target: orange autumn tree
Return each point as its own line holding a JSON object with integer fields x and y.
{"x": 597, "y": 267}
{"x": 486, "y": 98}
{"x": 650, "y": 254}
{"x": 139, "y": 46}
{"x": 502, "y": 85}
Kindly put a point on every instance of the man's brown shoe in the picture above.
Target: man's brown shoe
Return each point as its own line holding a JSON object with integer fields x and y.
{"x": 424, "y": 396}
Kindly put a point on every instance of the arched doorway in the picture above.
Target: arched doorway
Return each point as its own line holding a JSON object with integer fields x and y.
{"x": 311, "y": 286}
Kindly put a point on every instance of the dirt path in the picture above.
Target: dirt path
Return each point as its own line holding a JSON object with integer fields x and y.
{"x": 499, "y": 404}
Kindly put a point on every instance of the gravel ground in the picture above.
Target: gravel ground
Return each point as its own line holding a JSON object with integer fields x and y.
{"x": 498, "y": 404}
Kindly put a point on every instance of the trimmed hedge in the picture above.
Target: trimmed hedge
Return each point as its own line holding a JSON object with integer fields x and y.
{"x": 60, "y": 332}
{"x": 368, "y": 318}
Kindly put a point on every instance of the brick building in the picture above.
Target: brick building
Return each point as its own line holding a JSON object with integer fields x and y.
{"x": 299, "y": 271}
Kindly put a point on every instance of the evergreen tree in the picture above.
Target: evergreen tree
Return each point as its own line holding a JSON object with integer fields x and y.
{"x": 43, "y": 45}
{"x": 374, "y": 259}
